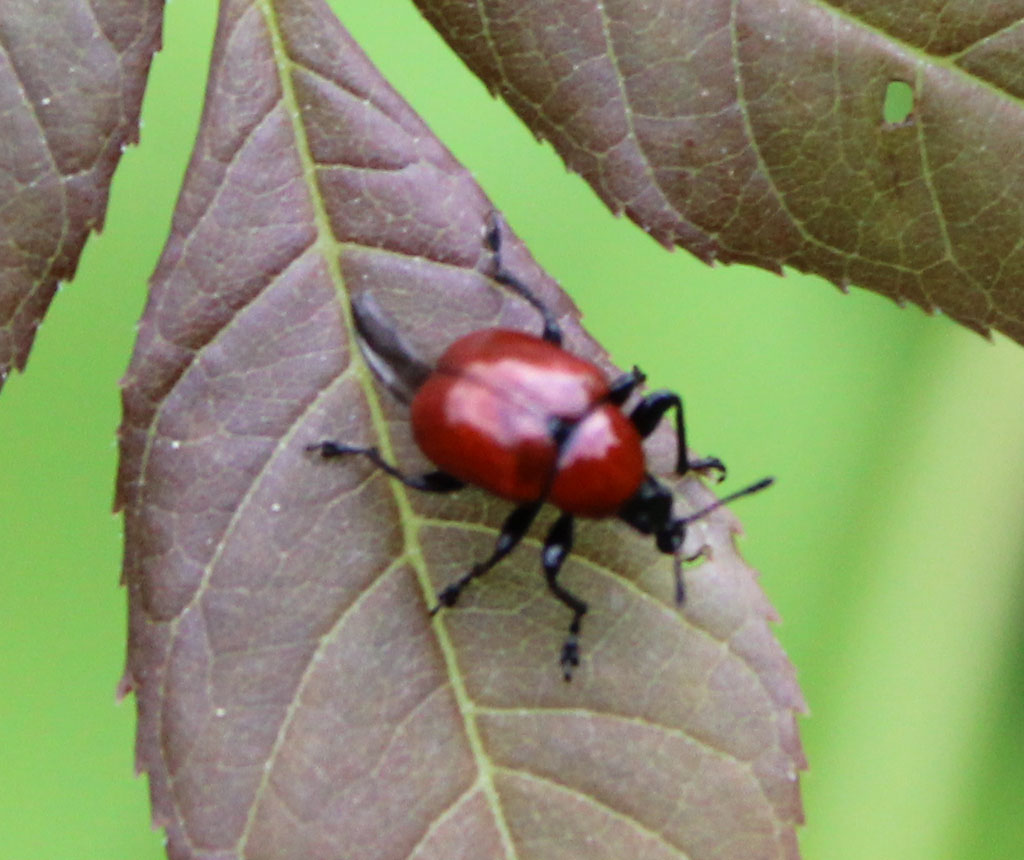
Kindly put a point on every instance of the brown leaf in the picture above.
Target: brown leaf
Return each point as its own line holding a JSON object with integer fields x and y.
{"x": 295, "y": 698}
{"x": 71, "y": 81}
{"x": 754, "y": 131}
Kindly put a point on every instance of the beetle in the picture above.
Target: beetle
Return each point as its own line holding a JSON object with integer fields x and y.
{"x": 521, "y": 417}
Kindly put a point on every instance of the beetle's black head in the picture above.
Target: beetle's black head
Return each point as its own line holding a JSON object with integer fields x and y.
{"x": 649, "y": 511}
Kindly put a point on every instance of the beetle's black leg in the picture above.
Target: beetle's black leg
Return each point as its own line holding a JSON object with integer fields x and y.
{"x": 651, "y": 410}
{"x": 557, "y": 547}
{"x": 516, "y": 525}
{"x": 552, "y": 330}
{"x": 431, "y": 482}
{"x": 623, "y": 386}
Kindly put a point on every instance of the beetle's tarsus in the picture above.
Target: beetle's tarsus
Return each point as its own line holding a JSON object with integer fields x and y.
{"x": 708, "y": 464}
{"x": 570, "y": 658}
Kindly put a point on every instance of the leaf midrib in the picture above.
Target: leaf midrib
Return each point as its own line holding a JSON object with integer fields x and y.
{"x": 329, "y": 249}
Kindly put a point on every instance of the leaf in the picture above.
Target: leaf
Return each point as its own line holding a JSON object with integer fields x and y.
{"x": 295, "y": 698}
{"x": 754, "y": 132}
{"x": 71, "y": 81}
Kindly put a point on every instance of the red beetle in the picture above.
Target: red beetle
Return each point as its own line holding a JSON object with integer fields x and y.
{"x": 521, "y": 417}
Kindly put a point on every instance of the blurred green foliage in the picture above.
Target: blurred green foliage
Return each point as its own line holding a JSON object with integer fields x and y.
{"x": 892, "y": 544}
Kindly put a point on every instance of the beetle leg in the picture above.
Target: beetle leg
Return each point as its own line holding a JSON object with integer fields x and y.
{"x": 512, "y": 531}
{"x": 651, "y": 410}
{"x": 557, "y": 547}
{"x": 431, "y": 482}
{"x": 623, "y": 386}
{"x": 552, "y": 330}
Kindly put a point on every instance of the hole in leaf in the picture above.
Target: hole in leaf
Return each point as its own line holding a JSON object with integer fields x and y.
{"x": 898, "y": 107}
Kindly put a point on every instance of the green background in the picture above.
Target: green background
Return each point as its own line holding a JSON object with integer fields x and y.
{"x": 892, "y": 545}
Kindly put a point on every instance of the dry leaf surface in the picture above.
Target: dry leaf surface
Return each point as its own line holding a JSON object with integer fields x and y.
{"x": 295, "y": 698}
{"x": 753, "y": 131}
{"x": 71, "y": 79}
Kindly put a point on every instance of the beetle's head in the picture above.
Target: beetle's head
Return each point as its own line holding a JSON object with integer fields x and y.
{"x": 649, "y": 511}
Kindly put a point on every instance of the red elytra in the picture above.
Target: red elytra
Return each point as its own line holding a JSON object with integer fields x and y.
{"x": 485, "y": 416}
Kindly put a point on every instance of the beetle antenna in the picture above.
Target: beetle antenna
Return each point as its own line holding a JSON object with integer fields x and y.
{"x": 715, "y": 505}
{"x": 699, "y": 515}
